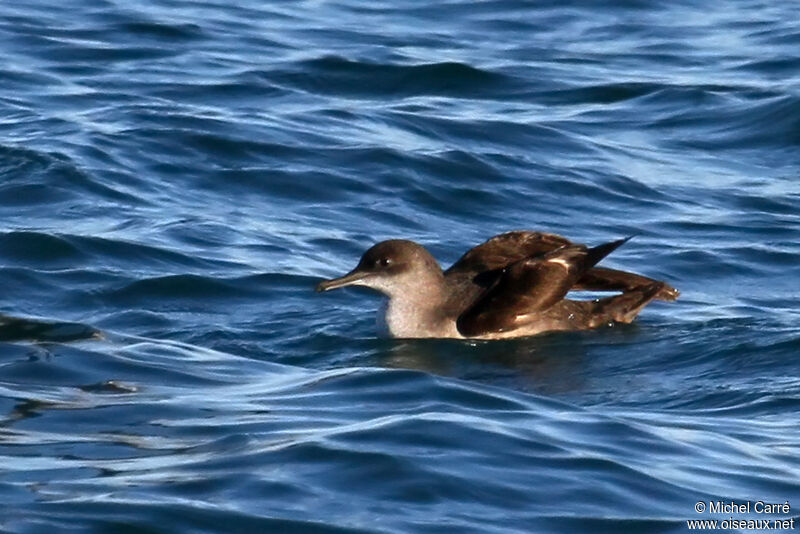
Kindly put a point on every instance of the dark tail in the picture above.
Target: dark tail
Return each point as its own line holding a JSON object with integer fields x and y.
{"x": 603, "y": 279}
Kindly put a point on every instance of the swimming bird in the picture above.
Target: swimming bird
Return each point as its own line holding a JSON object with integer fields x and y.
{"x": 513, "y": 285}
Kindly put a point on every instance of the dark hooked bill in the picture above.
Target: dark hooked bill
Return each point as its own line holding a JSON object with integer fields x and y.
{"x": 347, "y": 280}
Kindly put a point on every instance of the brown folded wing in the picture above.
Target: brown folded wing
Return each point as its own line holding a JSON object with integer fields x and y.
{"x": 504, "y": 249}
{"x": 528, "y": 287}
{"x": 483, "y": 263}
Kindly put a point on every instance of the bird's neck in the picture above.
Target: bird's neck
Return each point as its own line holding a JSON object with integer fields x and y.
{"x": 420, "y": 311}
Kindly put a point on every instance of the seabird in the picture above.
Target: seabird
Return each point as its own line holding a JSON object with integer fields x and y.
{"x": 513, "y": 285}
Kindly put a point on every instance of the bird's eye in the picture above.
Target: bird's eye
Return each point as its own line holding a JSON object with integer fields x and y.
{"x": 385, "y": 261}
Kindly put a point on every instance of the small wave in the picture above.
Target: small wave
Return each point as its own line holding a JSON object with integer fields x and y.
{"x": 39, "y": 248}
{"x": 162, "y": 31}
{"x": 766, "y": 122}
{"x": 179, "y": 286}
{"x": 164, "y": 289}
{"x": 346, "y": 77}
{"x": 51, "y": 250}
{"x": 77, "y": 53}
{"x": 35, "y": 178}
{"x": 120, "y": 252}
{"x": 600, "y": 93}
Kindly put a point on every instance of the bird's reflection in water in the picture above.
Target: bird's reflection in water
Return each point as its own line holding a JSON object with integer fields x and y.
{"x": 557, "y": 363}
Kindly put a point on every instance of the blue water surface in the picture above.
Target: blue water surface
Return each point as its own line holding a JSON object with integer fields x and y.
{"x": 177, "y": 175}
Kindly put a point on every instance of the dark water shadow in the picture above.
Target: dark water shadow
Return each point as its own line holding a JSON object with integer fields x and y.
{"x": 557, "y": 363}
{"x": 23, "y": 329}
